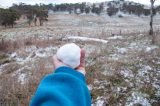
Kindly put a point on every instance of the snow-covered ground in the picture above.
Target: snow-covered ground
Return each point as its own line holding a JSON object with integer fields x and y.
{"x": 85, "y": 39}
{"x": 123, "y": 67}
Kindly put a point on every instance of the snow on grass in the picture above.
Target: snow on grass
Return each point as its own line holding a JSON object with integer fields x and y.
{"x": 16, "y": 57}
{"x": 100, "y": 102}
{"x": 157, "y": 86}
{"x": 85, "y": 39}
{"x": 31, "y": 48}
{"x": 32, "y": 53}
{"x": 41, "y": 53}
{"x": 22, "y": 78}
{"x": 144, "y": 71}
{"x": 1, "y": 68}
{"x": 149, "y": 49}
{"x": 90, "y": 87}
{"x": 137, "y": 98}
{"x": 114, "y": 57}
{"x": 127, "y": 73}
{"x": 122, "y": 50}
{"x": 22, "y": 74}
{"x": 115, "y": 38}
{"x": 22, "y": 60}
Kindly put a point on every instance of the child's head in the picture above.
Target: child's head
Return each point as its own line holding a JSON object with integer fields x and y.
{"x": 70, "y": 55}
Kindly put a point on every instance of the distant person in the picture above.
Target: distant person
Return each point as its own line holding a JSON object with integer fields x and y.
{"x": 67, "y": 85}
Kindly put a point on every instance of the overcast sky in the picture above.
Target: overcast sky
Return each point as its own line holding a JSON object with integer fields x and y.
{"x": 10, "y": 2}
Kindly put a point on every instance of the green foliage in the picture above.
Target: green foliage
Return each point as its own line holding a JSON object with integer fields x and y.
{"x": 97, "y": 10}
{"x": 33, "y": 12}
{"x": 97, "y": 92}
{"x": 131, "y": 8}
{"x": 87, "y": 10}
{"x": 42, "y": 15}
{"x": 148, "y": 89}
{"x": 4, "y": 59}
{"x": 8, "y": 17}
{"x": 112, "y": 10}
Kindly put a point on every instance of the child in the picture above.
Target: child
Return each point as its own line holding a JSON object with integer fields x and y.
{"x": 67, "y": 85}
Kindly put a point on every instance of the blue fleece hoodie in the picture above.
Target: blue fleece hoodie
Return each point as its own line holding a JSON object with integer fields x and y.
{"x": 65, "y": 87}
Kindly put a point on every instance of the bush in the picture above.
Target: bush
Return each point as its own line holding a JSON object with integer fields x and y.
{"x": 120, "y": 15}
{"x": 8, "y": 17}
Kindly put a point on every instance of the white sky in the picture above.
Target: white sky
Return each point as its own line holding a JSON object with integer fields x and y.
{"x": 10, "y": 2}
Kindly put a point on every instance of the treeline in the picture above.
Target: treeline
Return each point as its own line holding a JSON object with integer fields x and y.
{"x": 33, "y": 13}
{"x": 110, "y": 8}
{"x": 40, "y": 11}
{"x": 79, "y": 8}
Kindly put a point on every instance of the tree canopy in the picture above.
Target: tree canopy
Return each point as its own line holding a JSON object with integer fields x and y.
{"x": 8, "y": 17}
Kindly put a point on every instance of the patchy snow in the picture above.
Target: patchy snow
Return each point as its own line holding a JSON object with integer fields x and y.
{"x": 1, "y": 68}
{"x": 99, "y": 102}
{"x": 137, "y": 98}
{"x": 142, "y": 45}
{"x": 85, "y": 39}
{"x": 122, "y": 50}
{"x": 144, "y": 71}
{"x": 114, "y": 57}
{"x": 21, "y": 60}
{"x": 22, "y": 78}
{"x": 149, "y": 49}
{"x": 98, "y": 27}
{"x": 115, "y": 37}
{"x": 127, "y": 73}
{"x": 16, "y": 57}
{"x": 32, "y": 53}
{"x": 90, "y": 87}
{"x": 40, "y": 53}
{"x": 31, "y": 48}
{"x": 157, "y": 86}
{"x": 22, "y": 74}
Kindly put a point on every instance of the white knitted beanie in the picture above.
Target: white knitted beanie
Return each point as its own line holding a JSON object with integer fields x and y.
{"x": 70, "y": 55}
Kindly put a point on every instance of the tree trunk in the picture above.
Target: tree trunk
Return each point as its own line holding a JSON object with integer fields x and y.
{"x": 2, "y": 41}
{"x": 41, "y": 21}
{"x": 151, "y": 21}
{"x": 151, "y": 16}
{"x": 35, "y": 22}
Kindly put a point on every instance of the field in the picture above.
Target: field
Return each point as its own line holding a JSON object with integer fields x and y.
{"x": 123, "y": 66}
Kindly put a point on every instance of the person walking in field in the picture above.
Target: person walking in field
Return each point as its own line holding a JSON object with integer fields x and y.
{"x": 67, "y": 85}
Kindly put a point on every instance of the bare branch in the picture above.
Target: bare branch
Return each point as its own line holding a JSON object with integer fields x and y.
{"x": 154, "y": 1}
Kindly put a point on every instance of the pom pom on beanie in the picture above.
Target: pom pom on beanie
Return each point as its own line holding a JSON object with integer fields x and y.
{"x": 70, "y": 55}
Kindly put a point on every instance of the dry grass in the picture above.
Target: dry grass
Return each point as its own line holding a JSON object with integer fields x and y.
{"x": 98, "y": 62}
{"x": 10, "y": 45}
{"x": 14, "y": 93}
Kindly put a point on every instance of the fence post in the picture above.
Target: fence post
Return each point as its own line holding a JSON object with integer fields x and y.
{"x": 48, "y": 38}
{"x": 2, "y": 41}
{"x": 120, "y": 32}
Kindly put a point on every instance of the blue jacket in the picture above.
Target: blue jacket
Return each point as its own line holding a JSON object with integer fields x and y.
{"x": 65, "y": 87}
